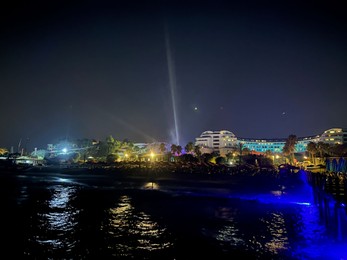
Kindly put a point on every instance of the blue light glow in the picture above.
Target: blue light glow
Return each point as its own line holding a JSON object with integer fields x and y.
{"x": 303, "y": 203}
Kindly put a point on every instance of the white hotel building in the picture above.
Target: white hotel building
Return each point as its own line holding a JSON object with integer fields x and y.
{"x": 225, "y": 141}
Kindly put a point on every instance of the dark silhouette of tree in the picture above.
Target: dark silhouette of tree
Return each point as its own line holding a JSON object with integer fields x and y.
{"x": 215, "y": 154}
{"x": 85, "y": 146}
{"x": 189, "y": 147}
{"x": 197, "y": 151}
{"x": 240, "y": 146}
{"x": 168, "y": 156}
{"x": 174, "y": 149}
{"x": 179, "y": 150}
{"x": 162, "y": 148}
{"x": 100, "y": 151}
{"x": 338, "y": 150}
{"x": 323, "y": 148}
{"x": 289, "y": 147}
{"x": 265, "y": 162}
{"x": 312, "y": 150}
{"x": 229, "y": 156}
{"x": 220, "y": 160}
{"x": 207, "y": 157}
{"x": 110, "y": 144}
{"x": 188, "y": 158}
{"x": 129, "y": 150}
{"x": 111, "y": 158}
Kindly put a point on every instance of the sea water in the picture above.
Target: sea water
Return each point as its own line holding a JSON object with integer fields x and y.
{"x": 64, "y": 218}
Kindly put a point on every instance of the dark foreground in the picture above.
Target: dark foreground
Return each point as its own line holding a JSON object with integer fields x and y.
{"x": 76, "y": 215}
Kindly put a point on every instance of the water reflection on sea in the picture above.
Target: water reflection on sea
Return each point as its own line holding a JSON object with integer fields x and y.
{"x": 143, "y": 234}
{"x": 61, "y": 219}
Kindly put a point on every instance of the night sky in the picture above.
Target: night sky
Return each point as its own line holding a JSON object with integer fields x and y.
{"x": 87, "y": 70}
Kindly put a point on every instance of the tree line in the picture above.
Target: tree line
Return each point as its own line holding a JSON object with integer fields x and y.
{"x": 111, "y": 150}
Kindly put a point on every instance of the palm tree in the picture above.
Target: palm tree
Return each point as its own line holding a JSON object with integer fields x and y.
{"x": 162, "y": 148}
{"x": 323, "y": 148}
{"x": 189, "y": 147}
{"x": 312, "y": 150}
{"x": 179, "y": 149}
{"x": 173, "y": 149}
{"x": 289, "y": 147}
{"x": 240, "y": 152}
{"x": 197, "y": 151}
{"x": 338, "y": 150}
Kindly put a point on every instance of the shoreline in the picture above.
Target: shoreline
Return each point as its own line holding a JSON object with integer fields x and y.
{"x": 109, "y": 177}
{"x": 155, "y": 178}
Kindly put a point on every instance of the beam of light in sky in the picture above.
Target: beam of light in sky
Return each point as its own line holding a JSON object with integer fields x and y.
{"x": 172, "y": 82}
{"x": 128, "y": 126}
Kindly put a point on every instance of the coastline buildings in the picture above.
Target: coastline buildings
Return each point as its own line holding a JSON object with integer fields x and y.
{"x": 222, "y": 141}
{"x": 225, "y": 141}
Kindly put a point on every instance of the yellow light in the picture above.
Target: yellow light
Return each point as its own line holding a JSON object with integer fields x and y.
{"x": 152, "y": 154}
{"x": 277, "y": 157}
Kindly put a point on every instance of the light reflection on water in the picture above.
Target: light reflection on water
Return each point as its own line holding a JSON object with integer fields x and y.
{"x": 23, "y": 196}
{"x": 266, "y": 232}
{"x": 278, "y": 239}
{"x": 130, "y": 232}
{"x": 55, "y": 222}
{"x": 229, "y": 234}
{"x": 273, "y": 239}
{"x": 68, "y": 221}
{"x": 151, "y": 186}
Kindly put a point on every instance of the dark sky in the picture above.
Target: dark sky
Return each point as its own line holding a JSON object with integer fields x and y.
{"x": 263, "y": 69}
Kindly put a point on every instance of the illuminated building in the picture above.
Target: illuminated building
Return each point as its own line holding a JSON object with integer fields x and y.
{"x": 334, "y": 136}
{"x": 225, "y": 141}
